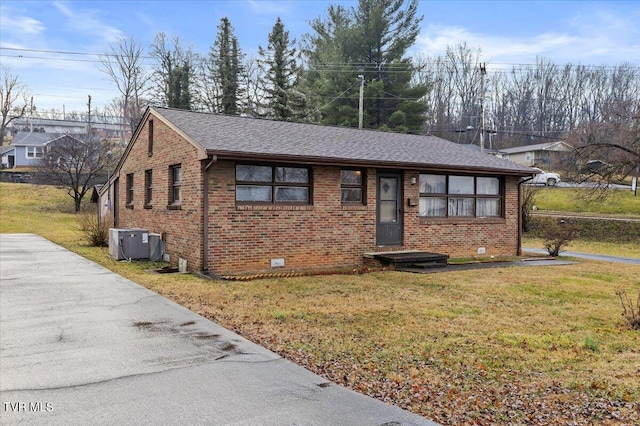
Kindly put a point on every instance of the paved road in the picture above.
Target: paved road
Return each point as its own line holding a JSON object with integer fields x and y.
{"x": 564, "y": 215}
{"x": 600, "y": 257}
{"x": 81, "y": 345}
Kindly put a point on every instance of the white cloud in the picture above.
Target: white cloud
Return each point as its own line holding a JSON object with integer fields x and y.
{"x": 17, "y": 24}
{"x": 434, "y": 40}
{"x": 608, "y": 42}
{"x": 23, "y": 24}
{"x": 87, "y": 21}
{"x": 267, "y": 7}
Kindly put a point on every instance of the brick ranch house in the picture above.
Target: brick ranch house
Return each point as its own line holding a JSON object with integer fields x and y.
{"x": 232, "y": 194}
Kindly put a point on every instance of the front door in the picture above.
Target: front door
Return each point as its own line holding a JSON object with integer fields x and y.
{"x": 389, "y": 209}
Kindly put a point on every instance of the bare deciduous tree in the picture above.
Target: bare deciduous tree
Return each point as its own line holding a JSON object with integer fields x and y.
{"x": 250, "y": 80}
{"x": 614, "y": 140}
{"x": 527, "y": 202}
{"x": 123, "y": 64}
{"x": 174, "y": 76}
{"x": 75, "y": 163}
{"x": 13, "y": 97}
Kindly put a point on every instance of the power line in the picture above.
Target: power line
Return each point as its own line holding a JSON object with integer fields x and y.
{"x": 66, "y": 52}
{"x": 337, "y": 66}
{"x": 51, "y": 59}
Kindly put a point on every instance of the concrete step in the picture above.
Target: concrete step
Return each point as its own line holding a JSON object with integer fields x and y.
{"x": 416, "y": 259}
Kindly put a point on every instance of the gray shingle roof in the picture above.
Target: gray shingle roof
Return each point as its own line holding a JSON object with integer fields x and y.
{"x": 229, "y": 136}
{"x": 552, "y": 146}
{"x": 5, "y": 149}
{"x": 33, "y": 138}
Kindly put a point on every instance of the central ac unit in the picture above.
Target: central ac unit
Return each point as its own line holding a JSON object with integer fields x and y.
{"x": 128, "y": 243}
{"x": 156, "y": 247}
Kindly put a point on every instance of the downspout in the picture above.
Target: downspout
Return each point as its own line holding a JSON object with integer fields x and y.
{"x": 520, "y": 183}
{"x": 205, "y": 214}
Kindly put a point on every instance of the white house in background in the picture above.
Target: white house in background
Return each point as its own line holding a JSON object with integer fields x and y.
{"x": 544, "y": 155}
{"x": 70, "y": 127}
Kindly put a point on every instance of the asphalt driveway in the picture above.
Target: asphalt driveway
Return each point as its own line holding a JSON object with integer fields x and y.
{"x": 80, "y": 345}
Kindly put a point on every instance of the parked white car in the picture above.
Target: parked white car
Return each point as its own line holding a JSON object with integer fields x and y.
{"x": 544, "y": 178}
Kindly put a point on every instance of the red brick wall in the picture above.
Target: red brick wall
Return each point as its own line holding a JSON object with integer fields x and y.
{"x": 182, "y": 227}
{"x": 463, "y": 237}
{"x": 327, "y": 235}
{"x": 323, "y": 235}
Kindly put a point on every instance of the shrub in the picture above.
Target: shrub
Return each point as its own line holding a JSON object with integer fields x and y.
{"x": 557, "y": 235}
{"x": 630, "y": 312}
{"x": 529, "y": 193}
{"x": 609, "y": 230}
{"x": 96, "y": 233}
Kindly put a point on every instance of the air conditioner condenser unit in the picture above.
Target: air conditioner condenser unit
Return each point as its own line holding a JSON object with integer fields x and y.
{"x": 128, "y": 244}
{"x": 156, "y": 247}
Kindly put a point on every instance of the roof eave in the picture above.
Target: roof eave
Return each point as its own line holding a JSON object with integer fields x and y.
{"x": 345, "y": 162}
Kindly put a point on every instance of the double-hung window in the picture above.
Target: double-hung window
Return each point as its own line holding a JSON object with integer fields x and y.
{"x": 352, "y": 187}
{"x": 148, "y": 188}
{"x": 129, "y": 190}
{"x": 261, "y": 184}
{"x": 460, "y": 196}
{"x": 175, "y": 185}
{"x": 35, "y": 152}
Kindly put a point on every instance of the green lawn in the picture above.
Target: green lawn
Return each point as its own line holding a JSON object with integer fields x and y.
{"x": 621, "y": 203}
{"x": 522, "y": 345}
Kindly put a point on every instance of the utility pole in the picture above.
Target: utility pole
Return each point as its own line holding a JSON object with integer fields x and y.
{"x": 361, "y": 107}
{"x": 89, "y": 117}
{"x": 31, "y": 116}
{"x": 483, "y": 72}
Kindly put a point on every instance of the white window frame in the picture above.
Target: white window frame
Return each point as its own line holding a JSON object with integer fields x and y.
{"x": 35, "y": 152}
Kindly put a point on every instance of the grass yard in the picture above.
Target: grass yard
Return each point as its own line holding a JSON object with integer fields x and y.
{"x": 593, "y": 247}
{"x": 528, "y": 345}
{"x": 619, "y": 203}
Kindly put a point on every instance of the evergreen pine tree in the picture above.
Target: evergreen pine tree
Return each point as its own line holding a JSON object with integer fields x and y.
{"x": 225, "y": 59}
{"x": 279, "y": 65}
{"x": 370, "y": 41}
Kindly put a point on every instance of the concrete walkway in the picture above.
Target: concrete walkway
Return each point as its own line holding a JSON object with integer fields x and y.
{"x": 600, "y": 257}
{"x": 80, "y": 345}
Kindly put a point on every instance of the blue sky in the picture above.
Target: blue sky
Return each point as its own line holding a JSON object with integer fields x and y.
{"x": 507, "y": 32}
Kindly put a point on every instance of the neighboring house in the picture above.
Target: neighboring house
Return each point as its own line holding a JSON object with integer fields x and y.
{"x": 8, "y": 155}
{"x": 232, "y": 194}
{"x": 71, "y": 127}
{"x": 26, "y": 148}
{"x": 549, "y": 155}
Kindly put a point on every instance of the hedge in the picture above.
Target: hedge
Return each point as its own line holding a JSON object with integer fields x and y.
{"x": 592, "y": 229}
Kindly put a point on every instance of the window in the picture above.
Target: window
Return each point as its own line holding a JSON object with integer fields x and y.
{"x": 272, "y": 184}
{"x": 460, "y": 196}
{"x": 352, "y": 187}
{"x": 148, "y": 188}
{"x": 35, "y": 152}
{"x": 129, "y": 189}
{"x": 150, "y": 138}
{"x": 175, "y": 175}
